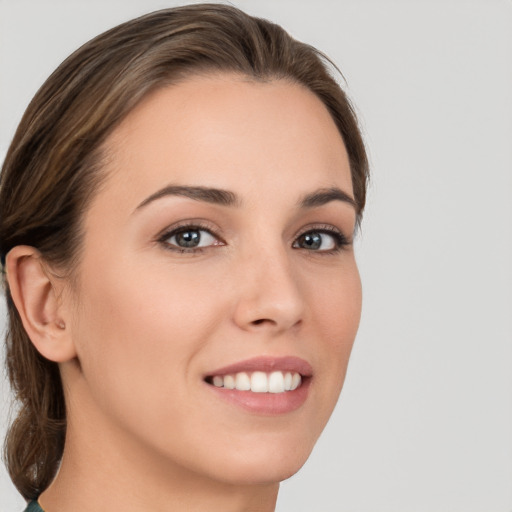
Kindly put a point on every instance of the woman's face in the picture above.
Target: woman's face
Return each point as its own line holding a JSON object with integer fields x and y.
{"x": 217, "y": 253}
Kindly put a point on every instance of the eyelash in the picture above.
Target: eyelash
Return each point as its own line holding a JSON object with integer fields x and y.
{"x": 183, "y": 228}
{"x": 340, "y": 240}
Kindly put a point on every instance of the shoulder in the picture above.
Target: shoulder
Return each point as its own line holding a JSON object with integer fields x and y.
{"x": 33, "y": 506}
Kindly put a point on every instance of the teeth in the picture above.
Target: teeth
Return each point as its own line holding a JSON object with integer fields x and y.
{"x": 296, "y": 380}
{"x": 259, "y": 382}
{"x": 288, "y": 381}
{"x": 276, "y": 382}
{"x": 242, "y": 382}
{"x": 229, "y": 382}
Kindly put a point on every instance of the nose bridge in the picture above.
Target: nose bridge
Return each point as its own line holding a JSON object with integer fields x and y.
{"x": 269, "y": 290}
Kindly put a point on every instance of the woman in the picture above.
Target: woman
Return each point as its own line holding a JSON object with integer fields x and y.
{"x": 177, "y": 211}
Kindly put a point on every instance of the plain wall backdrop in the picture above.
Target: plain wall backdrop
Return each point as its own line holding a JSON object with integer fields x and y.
{"x": 424, "y": 423}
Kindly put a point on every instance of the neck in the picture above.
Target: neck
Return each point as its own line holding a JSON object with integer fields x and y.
{"x": 103, "y": 470}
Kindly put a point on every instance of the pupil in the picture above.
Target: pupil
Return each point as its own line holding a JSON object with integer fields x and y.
{"x": 188, "y": 238}
{"x": 313, "y": 241}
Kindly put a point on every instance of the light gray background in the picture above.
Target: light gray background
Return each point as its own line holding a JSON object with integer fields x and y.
{"x": 425, "y": 419}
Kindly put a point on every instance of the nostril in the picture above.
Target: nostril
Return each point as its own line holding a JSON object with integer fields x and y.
{"x": 262, "y": 320}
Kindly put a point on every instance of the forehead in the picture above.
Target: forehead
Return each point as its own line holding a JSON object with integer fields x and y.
{"x": 228, "y": 132}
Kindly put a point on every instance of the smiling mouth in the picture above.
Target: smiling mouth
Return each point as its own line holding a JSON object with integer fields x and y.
{"x": 258, "y": 381}
{"x": 266, "y": 385}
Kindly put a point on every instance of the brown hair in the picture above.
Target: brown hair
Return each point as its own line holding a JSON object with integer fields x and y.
{"x": 53, "y": 167}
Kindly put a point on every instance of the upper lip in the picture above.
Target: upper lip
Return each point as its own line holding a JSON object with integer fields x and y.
{"x": 267, "y": 364}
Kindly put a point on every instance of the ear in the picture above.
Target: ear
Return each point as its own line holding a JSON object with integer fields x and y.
{"x": 37, "y": 295}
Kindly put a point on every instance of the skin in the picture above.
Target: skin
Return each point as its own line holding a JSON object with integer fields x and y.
{"x": 143, "y": 323}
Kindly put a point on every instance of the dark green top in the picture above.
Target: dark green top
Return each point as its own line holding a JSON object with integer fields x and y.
{"x": 33, "y": 506}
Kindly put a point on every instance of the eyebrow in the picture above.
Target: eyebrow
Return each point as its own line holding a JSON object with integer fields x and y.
{"x": 227, "y": 198}
{"x": 326, "y": 195}
{"x": 206, "y": 194}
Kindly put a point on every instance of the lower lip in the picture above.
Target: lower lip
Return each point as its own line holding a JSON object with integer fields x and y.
{"x": 268, "y": 404}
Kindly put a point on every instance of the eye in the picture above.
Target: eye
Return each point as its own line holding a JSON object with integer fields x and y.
{"x": 321, "y": 240}
{"x": 189, "y": 238}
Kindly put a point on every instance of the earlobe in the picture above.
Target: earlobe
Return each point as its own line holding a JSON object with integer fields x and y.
{"x": 36, "y": 294}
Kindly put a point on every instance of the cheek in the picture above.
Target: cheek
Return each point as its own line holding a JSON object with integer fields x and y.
{"x": 337, "y": 308}
{"x": 138, "y": 332}
{"x": 336, "y": 313}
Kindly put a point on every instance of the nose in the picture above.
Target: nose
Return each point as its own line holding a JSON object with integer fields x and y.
{"x": 268, "y": 294}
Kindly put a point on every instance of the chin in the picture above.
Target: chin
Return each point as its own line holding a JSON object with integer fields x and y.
{"x": 265, "y": 464}
{"x": 262, "y": 474}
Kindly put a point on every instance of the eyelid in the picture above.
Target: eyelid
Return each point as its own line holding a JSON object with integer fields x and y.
{"x": 342, "y": 240}
{"x": 328, "y": 228}
{"x": 188, "y": 224}
{"x": 199, "y": 224}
